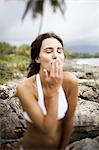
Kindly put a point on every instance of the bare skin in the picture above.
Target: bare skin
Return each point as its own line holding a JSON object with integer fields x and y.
{"x": 47, "y": 132}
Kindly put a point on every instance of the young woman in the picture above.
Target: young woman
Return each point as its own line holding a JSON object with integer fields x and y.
{"x": 48, "y": 96}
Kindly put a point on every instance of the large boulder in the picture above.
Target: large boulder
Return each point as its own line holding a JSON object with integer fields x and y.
{"x": 12, "y": 123}
{"x": 86, "y": 144}
{"x": 86, "y": 120}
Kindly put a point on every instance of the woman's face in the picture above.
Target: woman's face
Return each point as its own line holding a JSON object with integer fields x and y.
{"x": 51, "y": 49}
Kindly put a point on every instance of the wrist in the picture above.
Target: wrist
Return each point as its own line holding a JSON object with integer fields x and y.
{"x": 52, "y": 95}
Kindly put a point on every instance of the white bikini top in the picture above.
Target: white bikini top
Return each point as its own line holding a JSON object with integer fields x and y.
{"x": 62, "y": 102}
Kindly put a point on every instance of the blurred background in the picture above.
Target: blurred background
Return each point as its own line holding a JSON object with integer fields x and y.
{"x": 75, "y": 21}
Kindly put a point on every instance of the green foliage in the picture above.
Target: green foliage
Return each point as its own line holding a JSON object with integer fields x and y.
{"x": 96, "y": 55}
{"x": 23, "y": 50}
{"x": 67, "y": 53}
{"x": 23, "y": 67}
{"x": 84, "y": 55}
{"x": 13, "y": 61}
{"x": 6, "y": 48}
{"x": 12, "y": 58}
{"x": 5, "y": 73}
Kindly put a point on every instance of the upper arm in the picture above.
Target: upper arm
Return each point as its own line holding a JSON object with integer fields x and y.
{"x": 70, "y": 86}
{"x": 30, "y": 104}
{"x": 72, "y": 95}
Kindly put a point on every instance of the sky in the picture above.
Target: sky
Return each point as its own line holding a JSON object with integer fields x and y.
{"x": 79, "y": 27}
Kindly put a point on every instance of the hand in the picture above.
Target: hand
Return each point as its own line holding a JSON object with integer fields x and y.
{"x": 54, "y": 78}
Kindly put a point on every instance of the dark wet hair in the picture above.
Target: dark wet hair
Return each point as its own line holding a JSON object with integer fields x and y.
{"x": 34, "y": 67}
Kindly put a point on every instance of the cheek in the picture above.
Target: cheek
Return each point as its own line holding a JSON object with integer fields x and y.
{"x": 45, "y": 60}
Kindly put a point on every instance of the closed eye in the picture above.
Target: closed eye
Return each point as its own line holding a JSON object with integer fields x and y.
{"x": 60, "y": 50}
{"x": 49, "y": 50}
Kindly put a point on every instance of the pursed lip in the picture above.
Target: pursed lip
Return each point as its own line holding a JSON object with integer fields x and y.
{"x": 61, "y": 62}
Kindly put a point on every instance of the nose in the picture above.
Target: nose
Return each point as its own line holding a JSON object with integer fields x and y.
{"x": 54, "y": 56}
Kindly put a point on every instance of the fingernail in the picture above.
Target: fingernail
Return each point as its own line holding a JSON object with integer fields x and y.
{"x": 44, "y": 69}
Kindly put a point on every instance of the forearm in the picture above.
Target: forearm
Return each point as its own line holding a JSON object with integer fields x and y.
{"x": 66, "y": 134}
{"x": 53, "y": 80}
{"x": 50, "y": 120}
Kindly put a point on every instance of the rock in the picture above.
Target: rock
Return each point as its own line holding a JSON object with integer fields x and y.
{"x": 12, "y": 123}
{"x": 88, "y": 90}
{"x": 86, "y": 120}
{"x": 85, "y": 144}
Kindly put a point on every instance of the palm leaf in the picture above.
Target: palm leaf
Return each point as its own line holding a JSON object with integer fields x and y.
{"x": 37, "y": 7}
{"x": 56, "y": 3}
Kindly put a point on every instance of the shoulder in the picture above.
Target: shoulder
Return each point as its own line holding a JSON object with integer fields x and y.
{"x": 70, "y": 81}
{"x": 70, "y": 85}
{"x": 69, "y": 77}
{"x": 26, "y": 85}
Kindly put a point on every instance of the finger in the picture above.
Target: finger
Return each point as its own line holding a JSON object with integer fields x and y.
{"x": 45, "y": 74}
{"x": 56, "y": 69}
{"x": 52, "y": 68}
{"x": 60, "y": 70}
{"x": 60, "y": 61}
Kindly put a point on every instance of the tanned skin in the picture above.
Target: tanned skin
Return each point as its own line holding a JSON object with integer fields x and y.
{"x": 46, "y": 131}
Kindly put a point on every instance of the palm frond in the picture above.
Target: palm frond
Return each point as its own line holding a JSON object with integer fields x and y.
{"x": 28, "y": 6}
{"x": 58, "y": 4}
{"x": 37, "y": 7}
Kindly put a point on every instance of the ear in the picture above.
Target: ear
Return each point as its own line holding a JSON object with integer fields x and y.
{"x": 37, "y": 60}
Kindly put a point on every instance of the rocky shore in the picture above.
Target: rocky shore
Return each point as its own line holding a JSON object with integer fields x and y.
{"x": 86, "y": 121}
